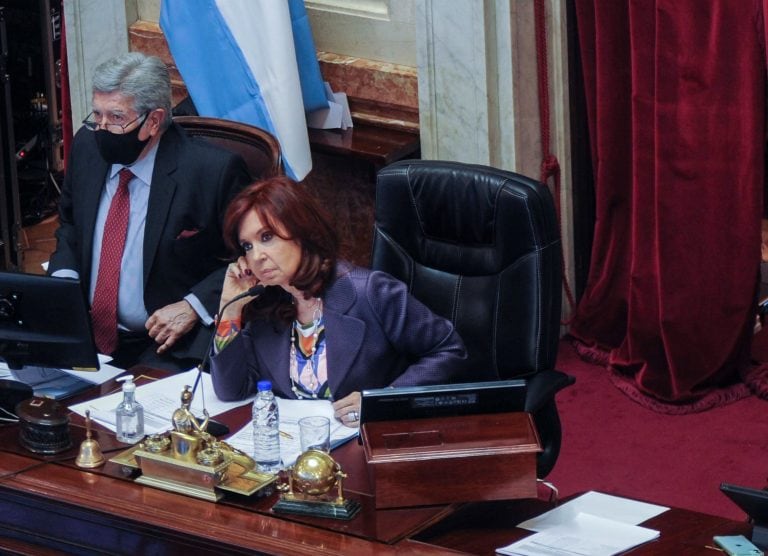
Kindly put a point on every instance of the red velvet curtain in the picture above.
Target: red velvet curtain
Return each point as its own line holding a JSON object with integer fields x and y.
{"x": 676, "y": 106}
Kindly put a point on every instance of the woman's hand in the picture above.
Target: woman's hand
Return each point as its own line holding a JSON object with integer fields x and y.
{"x": 347, "y": 410}
{"x": 238, "y": 279}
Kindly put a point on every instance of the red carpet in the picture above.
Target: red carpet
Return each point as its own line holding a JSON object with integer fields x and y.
{"x": 612, "y": 444}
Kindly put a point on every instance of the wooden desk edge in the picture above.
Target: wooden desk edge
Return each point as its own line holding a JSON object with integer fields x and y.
{"x": 217, "y": 525}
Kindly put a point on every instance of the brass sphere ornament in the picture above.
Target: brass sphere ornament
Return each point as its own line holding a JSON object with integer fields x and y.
{"x": 307, "y": 491}
{"x": 315, "y": 473}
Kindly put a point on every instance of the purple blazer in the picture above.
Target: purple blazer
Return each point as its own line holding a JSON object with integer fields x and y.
{"x": 377, "y": 335}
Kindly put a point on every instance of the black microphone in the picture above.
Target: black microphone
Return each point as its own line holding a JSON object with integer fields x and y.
{"x": 214, "y": 427}
{"x": 254, "y": 292}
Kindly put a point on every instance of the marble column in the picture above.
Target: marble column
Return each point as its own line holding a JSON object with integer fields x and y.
{"x": 96, "y": 31}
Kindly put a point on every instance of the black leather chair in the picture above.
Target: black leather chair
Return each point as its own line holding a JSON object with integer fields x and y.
{"x": 259, "y": 148}
{"x": 481, "y": 247}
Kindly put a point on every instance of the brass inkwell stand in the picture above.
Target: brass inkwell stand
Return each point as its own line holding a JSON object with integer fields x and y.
{"x": 188, "y": 460}
{"x": 309, "y": 489}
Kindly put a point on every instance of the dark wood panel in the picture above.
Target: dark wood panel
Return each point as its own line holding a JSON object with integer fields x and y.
{"x": 378, "y": 145}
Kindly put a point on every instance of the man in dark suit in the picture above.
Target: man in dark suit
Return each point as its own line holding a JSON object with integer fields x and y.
{"x": 147, "y": 245}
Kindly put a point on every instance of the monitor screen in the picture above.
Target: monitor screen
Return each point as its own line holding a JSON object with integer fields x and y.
{"x": 44, "y": 321}
{"x": 753, "y": 501}
{"x": 392, "y": 404}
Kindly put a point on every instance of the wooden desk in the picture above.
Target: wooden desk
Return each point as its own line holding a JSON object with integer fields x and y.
{"x": 480, "y": 528}
{"x": 48, "y": 506}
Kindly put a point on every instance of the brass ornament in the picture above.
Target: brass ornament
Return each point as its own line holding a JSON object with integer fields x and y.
{"x": 157, "y": 443}
{"x": 90, "y": 455}
{"x": 308, "y": 490}
{"x": 188, "y": 460}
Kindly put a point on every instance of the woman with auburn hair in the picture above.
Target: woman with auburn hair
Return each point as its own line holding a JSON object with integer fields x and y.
{"x": 322, "y": 328}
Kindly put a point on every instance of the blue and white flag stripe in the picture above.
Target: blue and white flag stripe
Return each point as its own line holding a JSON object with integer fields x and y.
{"x": 238, "y": 61}
{"x": 312, "y": 86}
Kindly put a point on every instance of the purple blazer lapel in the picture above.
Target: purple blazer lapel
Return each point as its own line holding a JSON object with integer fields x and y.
{"x": 344, "y": 337}
{"x": 344, "y": 333}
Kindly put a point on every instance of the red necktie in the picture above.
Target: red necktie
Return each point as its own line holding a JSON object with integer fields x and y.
{"x": 104, "y": 307}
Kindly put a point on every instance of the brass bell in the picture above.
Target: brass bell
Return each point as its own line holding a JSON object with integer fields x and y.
{"x": 90, "y": 455}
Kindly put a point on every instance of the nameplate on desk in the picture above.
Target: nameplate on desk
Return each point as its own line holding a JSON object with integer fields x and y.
{"x": 442, "y": 400}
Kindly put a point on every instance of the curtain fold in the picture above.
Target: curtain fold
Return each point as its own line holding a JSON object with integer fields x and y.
{"x": 676, "y": 107}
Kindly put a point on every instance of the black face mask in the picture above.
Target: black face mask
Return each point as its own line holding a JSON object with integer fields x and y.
{"x": 123, "y": 148}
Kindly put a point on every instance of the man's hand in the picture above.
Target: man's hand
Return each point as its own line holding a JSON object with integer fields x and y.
{"x": 169, "y": 323}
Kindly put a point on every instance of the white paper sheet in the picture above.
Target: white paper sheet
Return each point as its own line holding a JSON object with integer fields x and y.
{"x": 615, "y": 508}
{"x": 582, "y": 535}
{"x": 336, "y": 116}
{"x": 159, "y": 400}
{"x": 290, "y": 413}
{"x": 105, "y": 372}
{"x": 59, "y": 383}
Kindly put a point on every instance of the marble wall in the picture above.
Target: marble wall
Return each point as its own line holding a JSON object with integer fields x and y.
{"x": 381, "y": 30}
{"x": 380, "y": 93}
{"x": 96, "y": 31}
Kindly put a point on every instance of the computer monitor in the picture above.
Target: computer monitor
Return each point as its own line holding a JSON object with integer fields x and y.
{"x": 754, "y": 502}
{"x": 44, "y": 321}
{"x": 442, "y": 400}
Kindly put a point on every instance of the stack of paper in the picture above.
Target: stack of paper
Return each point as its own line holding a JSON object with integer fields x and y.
{"x": 593, "y": 524}
{"x": 159, "y": 400}
{"x": 290, "y": 413}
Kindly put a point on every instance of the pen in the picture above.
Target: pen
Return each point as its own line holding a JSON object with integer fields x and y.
{"x": 197, "y": 381}
{"x": 286, "y": 435}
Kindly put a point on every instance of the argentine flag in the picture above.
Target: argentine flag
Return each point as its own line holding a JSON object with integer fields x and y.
{"x": 251, "y": 61}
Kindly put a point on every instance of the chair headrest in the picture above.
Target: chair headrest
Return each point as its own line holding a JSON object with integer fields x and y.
{"x": 455, "y": 216}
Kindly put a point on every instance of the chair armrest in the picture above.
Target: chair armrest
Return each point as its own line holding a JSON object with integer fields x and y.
{"x": 543, "y": 386}
{"x": 540, "y": 403}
